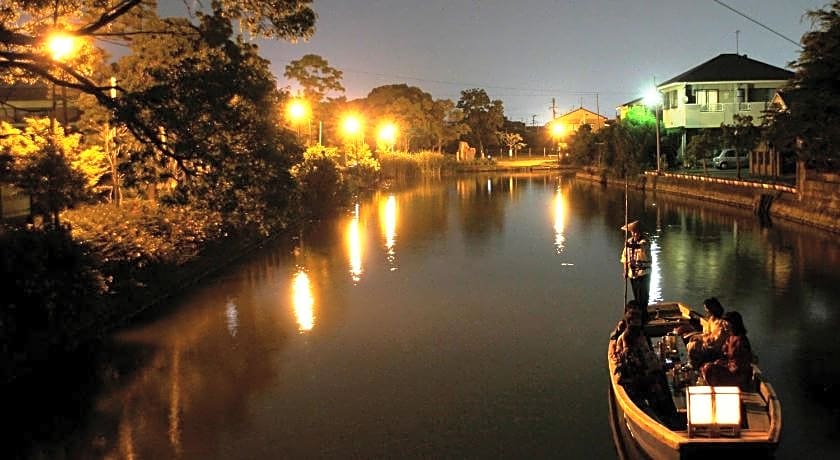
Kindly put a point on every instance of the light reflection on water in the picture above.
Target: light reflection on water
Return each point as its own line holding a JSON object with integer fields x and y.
{"x": 354, "y": 245}
{"x": 303, "y": 301}
{"x": 388, "y": 218}
{"x": 559, "y": 218}
{"x": 484, "y": 343}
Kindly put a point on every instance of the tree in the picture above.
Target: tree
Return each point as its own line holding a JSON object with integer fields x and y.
{"x": 54, "y": 168}
{"x": 582, "y": 146}
{"x": 513, "y": 141}
{"x": 214, "y": 102}
{"x": 483, "y": 116}
{"x": 25, "y": 26}
{"x": 314, "y": 74}
{"x": 811, "y": 121}
{"x": 446, "y": 123}
{"x": 741, "y": 135}
{"x": 409, "y": 107}
{"x": 702, "y": 146}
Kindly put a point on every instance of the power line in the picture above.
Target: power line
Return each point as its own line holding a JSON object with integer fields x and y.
{"x": 756, "y": 22}
{"x": 534, "y": 91}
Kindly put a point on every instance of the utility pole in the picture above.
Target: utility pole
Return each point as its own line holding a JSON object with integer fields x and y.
{"x": 553, "y": 109}
{"x": 533, "y": 120}
{"x": 598, "y": 110}
{"x": 737, "y": 45}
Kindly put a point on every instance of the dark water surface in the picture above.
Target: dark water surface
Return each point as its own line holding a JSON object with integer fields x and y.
{"x": 462, "y": 318}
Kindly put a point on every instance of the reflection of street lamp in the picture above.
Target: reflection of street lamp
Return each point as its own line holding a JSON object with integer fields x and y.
{"x": 653, "y": 98}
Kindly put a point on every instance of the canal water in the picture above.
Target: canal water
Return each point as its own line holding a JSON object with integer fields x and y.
{"x": 462, "y": 318}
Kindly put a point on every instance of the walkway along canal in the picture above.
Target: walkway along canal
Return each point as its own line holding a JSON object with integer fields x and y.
{"x": 461, "y": 318}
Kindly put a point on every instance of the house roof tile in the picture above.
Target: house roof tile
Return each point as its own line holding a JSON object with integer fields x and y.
{"x": 731, "y": 67}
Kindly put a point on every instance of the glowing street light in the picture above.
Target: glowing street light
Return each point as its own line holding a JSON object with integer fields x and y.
{"x": 61, "y": 45}
{"x": 388, "y": 135}
{"x": 558, "y": 130}
{"x": 297, "y": 111}
{"x": 352, "y": 125}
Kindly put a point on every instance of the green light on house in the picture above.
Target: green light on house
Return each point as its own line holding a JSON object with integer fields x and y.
{"x": 641, "y": 115}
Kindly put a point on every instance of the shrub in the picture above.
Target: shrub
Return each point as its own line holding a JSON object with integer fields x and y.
{"x": 321, "y": 188}
{"x": 51, "y": 286}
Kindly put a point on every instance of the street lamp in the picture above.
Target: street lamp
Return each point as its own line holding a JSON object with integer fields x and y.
{"x": 297, "y": 111}
{"x": 352, "y": 126}
{"x": 60, "y": 45}
{"x": 388, "y": 135}
{"x": 558, "y": 130}
{"x": 653, "y": 98}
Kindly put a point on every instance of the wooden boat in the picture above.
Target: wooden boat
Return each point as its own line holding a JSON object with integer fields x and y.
{"x": 640, "y": 433}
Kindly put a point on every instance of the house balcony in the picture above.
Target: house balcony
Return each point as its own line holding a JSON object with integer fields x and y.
{"x": 711, "y": 115}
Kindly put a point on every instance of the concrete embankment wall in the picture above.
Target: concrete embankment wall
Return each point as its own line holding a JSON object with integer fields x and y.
{"x": 815, "y": 201}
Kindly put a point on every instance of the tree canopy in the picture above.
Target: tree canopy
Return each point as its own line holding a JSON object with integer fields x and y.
{"x": 483, "y": 116}
{"x": 26, "y": 27}
{"x": 315, "y": 77}
{"x": 810, "y": 123}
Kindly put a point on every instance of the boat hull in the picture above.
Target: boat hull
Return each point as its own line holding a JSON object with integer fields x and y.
{"x": 639, "y": 436}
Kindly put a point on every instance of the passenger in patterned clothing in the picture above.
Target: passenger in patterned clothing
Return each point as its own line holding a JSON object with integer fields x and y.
{"x": 707, "y": 346}
{"x": 735, "y": 368}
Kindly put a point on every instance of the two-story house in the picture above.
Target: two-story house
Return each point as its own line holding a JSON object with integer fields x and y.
{"x": 715, "y": 91}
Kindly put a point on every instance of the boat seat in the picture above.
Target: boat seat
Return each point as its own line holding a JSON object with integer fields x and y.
{"x": 754, "y": 412}
{"x": 754, "y": 400}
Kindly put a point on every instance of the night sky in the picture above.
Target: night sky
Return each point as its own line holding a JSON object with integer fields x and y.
{"x": 526, "y": 52}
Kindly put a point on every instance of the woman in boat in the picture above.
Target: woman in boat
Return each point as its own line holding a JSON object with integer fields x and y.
{"x": 640, "y": 372}
{"x": 707, "y": 346}
{"x": 735, "y": 368}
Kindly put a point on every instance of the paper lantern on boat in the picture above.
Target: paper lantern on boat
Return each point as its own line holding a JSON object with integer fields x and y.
{"x": 713, "y": 411}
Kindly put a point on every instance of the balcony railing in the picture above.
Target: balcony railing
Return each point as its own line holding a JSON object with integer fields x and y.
{"x": 711, "y": 108}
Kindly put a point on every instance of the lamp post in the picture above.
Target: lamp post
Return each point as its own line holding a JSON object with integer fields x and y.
{"x": 558, "y": 130}
{"x": 60, "y": 45}
{"x": 352, "y": 126}
{"x": 388, "y": 136}
{"x": 653, "y": 99}
{"x": 297, "y": 110}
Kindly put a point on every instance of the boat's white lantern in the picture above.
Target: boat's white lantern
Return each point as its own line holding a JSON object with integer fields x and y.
{"x": 713, "y": 411}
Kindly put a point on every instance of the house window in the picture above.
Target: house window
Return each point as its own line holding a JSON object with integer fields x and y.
{"x": 708, "y": 99}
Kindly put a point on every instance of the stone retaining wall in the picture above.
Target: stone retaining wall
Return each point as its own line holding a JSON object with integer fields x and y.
{"x": 814, "y": 202}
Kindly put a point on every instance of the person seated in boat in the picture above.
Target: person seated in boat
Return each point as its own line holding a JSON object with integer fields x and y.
{"x": 735, "y": 367}
{"x": 640, "y": 372}
{"x": 622, "y": 323}
{"x": 707, "y": 346}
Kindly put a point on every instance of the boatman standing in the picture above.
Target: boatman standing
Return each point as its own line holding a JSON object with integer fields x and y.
{"x": 635, "y": 258}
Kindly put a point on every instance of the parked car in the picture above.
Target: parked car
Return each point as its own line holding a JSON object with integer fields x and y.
{"x": 727, "y": 158}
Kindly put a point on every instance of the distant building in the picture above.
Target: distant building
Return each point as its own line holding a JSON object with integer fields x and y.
{"x": 18, "y": 102}
{"x": 578, "y": 117}
{"x": 715, "y": 91}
